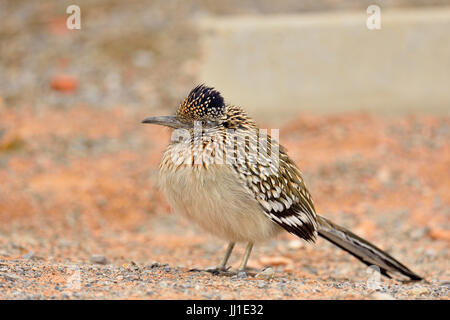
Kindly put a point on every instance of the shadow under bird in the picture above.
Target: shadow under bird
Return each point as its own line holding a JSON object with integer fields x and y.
{"x": 250, "y": 198}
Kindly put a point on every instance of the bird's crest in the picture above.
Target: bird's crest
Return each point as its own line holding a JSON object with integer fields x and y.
{"x": 202, "y": 103}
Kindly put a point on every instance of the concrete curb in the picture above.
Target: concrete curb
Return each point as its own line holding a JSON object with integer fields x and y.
{"x": 277, "y": 66}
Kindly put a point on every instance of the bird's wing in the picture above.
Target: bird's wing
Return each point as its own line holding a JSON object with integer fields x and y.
{"x": 278, "y": 186}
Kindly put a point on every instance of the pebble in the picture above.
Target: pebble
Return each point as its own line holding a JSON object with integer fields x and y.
{"x": 99, "y": 259}
{"x": 382, "y": 296}
{"x": 261, "y": 284}
{"x": 418, "y": 291}
{"x": 418, "y": 233}
{"x": 266, "y": 273}
{"x": 276, "y": 261}
{"x": 9, "y": 277}
{"x": 296, "y": 244}
{"x": 310, "y": 269}
{"x": 134, "y": 266}
{"x": 153, "y": 265}
{"x": 242, "y": 275}
{"x": 4, "y": 254}
{"x": 64, "y": 83}
{"x": 65, "y": 295}
{"x": 28, "y": 255}
{"x": 430, "y": 253}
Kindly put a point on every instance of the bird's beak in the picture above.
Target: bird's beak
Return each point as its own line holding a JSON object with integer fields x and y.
{"x": 168, "y": 121}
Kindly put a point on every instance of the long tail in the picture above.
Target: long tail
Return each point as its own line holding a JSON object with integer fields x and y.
{"x": 363, "y": 250}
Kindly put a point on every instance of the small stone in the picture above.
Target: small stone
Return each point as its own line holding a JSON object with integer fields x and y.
{"x": 142, "y": 58}
{"x": 4, "y": 254}
{"x": 99, "y": 259}
{"x": 418, "y": 233}
{"x": 418, "y": 291}
{"x": 276, "y": 261}
{"x": 266, "y": 273}
{"x": 64, "y": 83}
{"x": 437, "y": 201}
{"x": 242, "y": 275}
{"x": 296, "y": 244}
{"x": 153, "y": 265}
{"x": 384, "y": 175}
{"x": 261, "y": 284}
{"x": 9, "y": 277}
{"x": 382, "y": 296}
{"x": 149, "y": 293}
{"x": 440, "y": 234}
{"x": 134, "y": 266}
{"x": 310, "y": 269}
{"x": 28, "y": 255}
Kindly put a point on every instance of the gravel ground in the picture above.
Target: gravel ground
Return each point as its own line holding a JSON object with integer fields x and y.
{"x": 280, "y": 269}
{"x": 81, "y": 218}
{"x": 38, "y": 280}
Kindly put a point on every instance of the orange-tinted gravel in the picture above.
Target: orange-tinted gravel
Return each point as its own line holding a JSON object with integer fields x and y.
{"x": 80, "y": 216}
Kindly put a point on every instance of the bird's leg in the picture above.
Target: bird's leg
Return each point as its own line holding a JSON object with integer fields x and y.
{"x": 248, "y": 250}
{"x": 223, "y": 263}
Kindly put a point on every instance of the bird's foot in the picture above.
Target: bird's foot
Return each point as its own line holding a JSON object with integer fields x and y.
{"x": 226, "y": 272}
{"x": 216, "y": 271}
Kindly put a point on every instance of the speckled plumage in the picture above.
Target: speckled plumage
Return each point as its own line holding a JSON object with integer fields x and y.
{"x": 278, "y": 187}
{"x": 239, "y": 184}
{"x": 202, "y": 103}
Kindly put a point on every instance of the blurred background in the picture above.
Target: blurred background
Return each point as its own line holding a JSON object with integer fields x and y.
{"x": 363, "y": 112}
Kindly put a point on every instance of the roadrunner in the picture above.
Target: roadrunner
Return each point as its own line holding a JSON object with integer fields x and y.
{"x": 234, "y": 180}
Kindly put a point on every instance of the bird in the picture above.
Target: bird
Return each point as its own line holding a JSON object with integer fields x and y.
{"x": 228, "y": 176}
